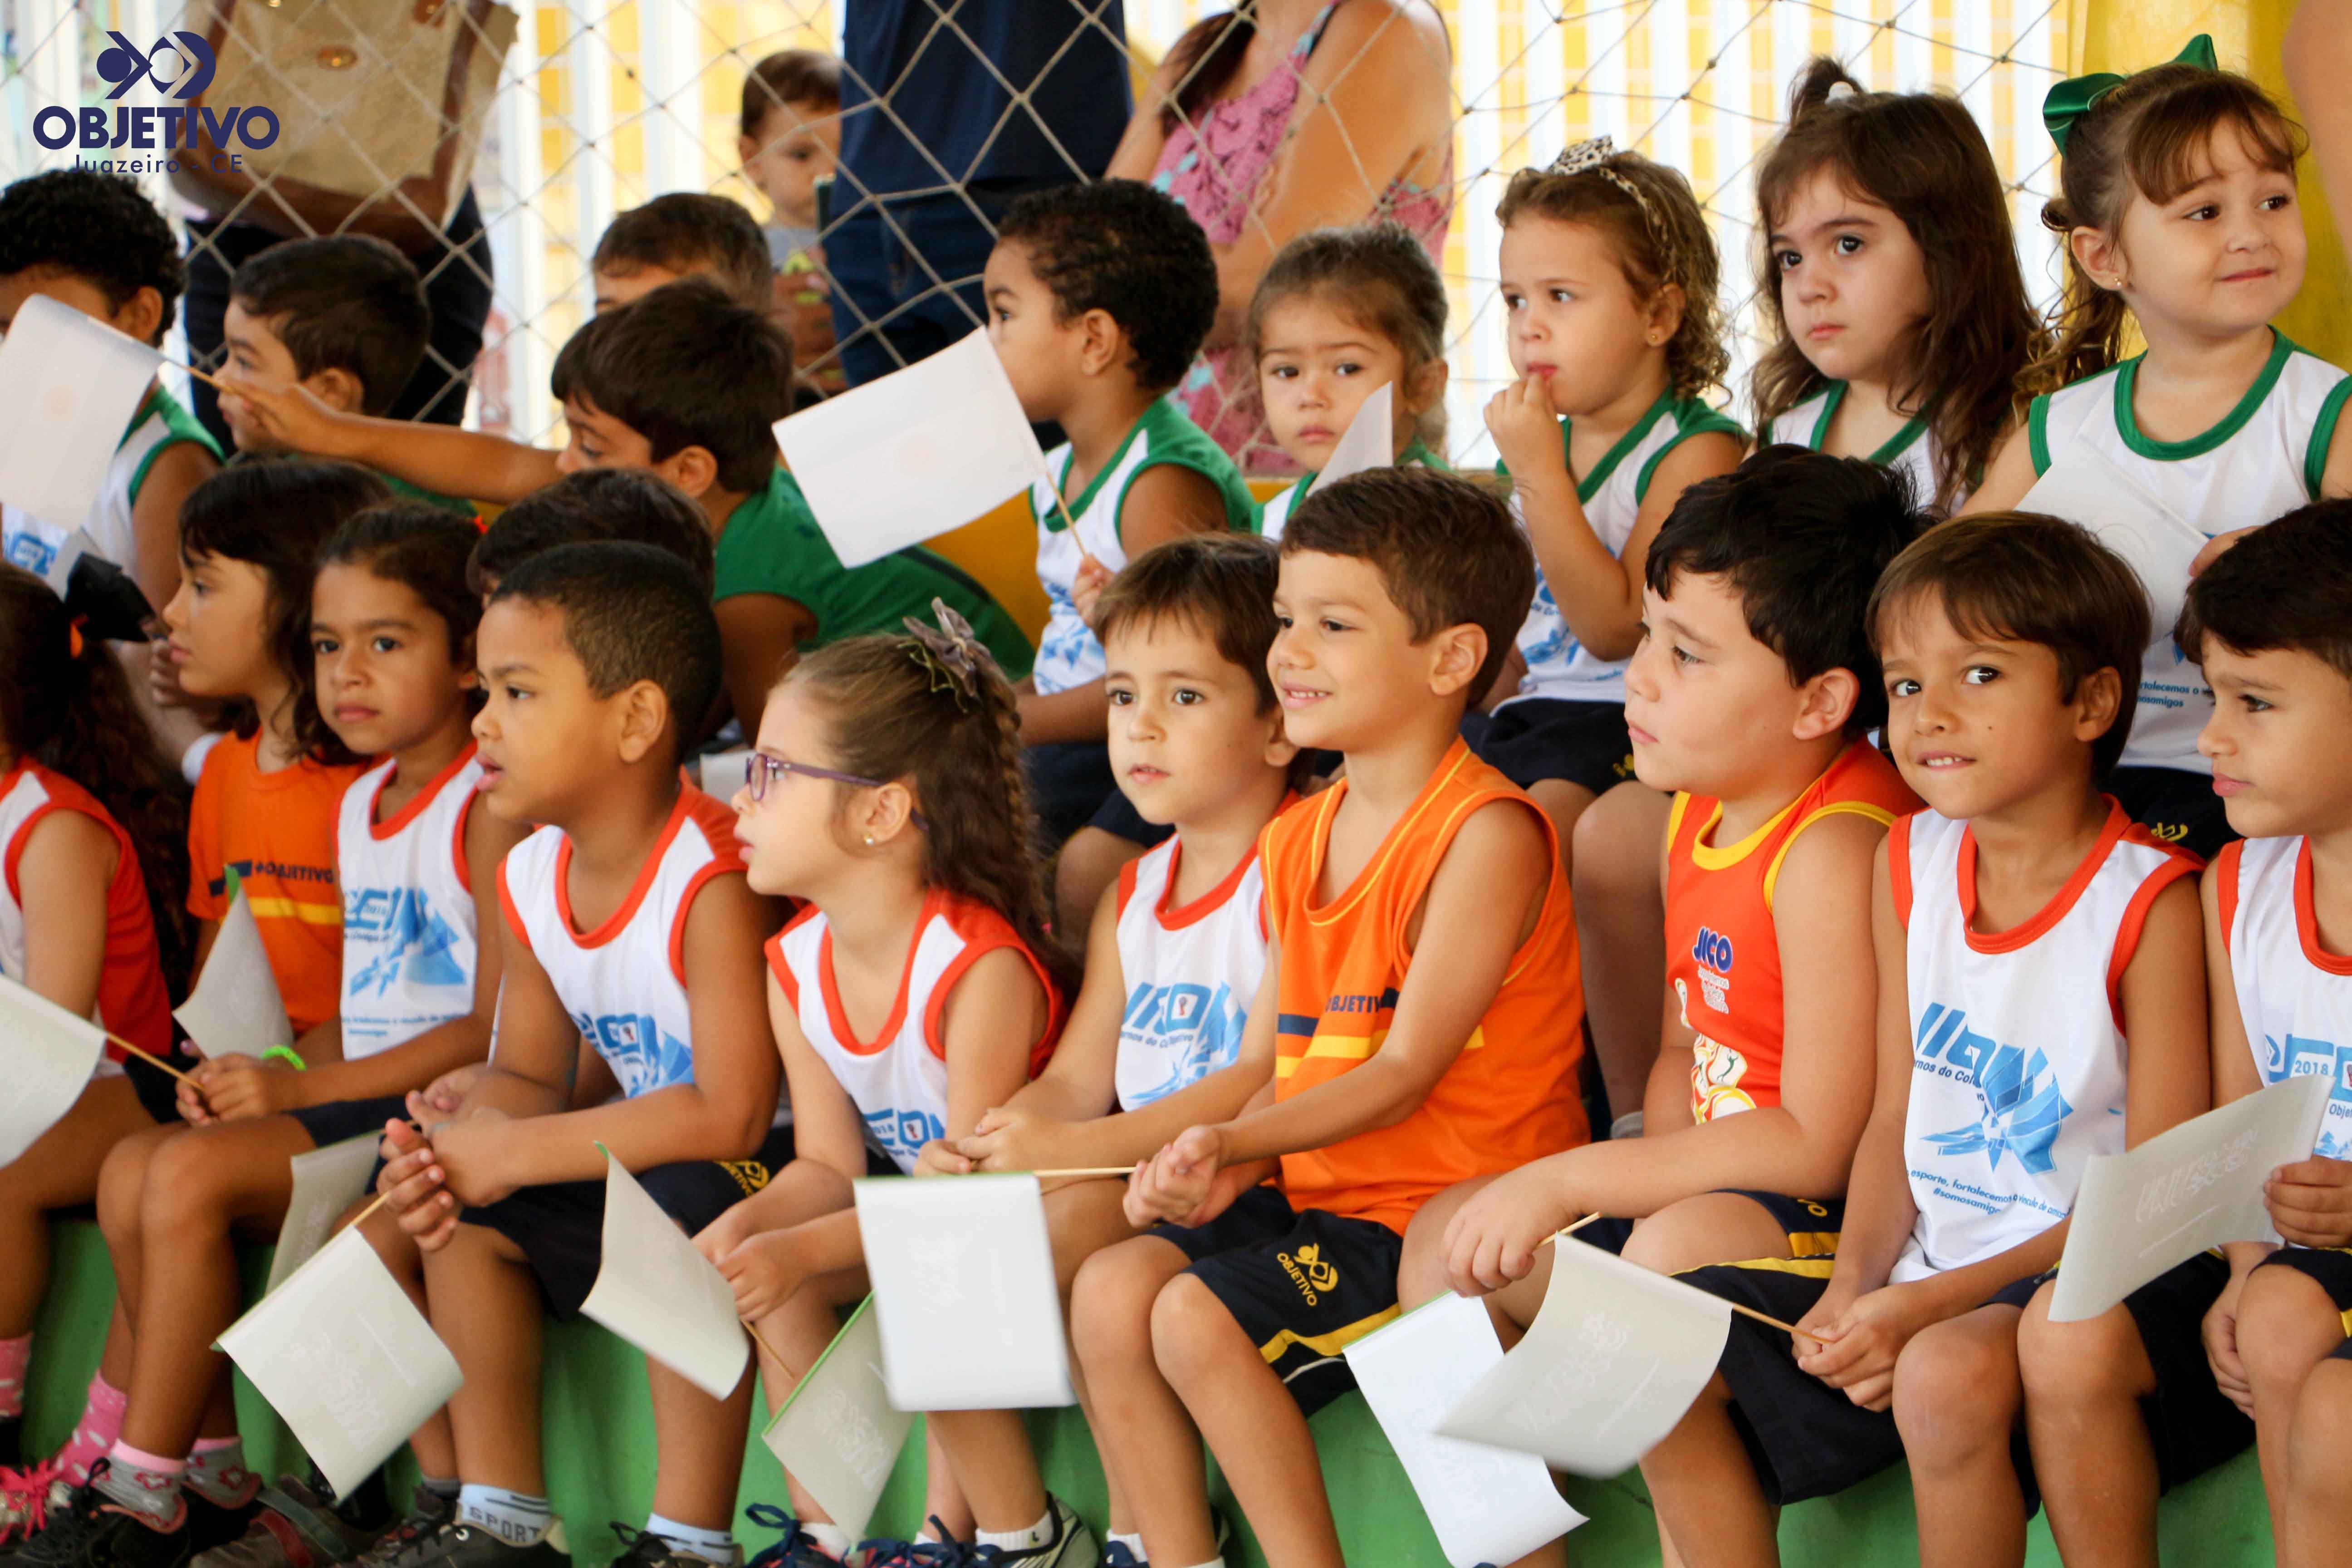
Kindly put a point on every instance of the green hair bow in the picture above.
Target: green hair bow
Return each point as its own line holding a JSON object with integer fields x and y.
{"x": 2073, "y": 97}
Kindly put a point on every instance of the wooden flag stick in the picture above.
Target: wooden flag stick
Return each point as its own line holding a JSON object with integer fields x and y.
{"x": 775, "y": 1354}
{"x": 149, "y": 1059}
{"x": 362, "y": 1217}
{"x": 1568, "y": 1229}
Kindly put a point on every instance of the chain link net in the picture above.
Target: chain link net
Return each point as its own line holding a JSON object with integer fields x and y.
{"x": 602, "y": 104}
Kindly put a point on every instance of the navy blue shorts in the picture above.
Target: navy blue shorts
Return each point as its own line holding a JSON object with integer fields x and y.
{"x": 561, "y": 1226}
{"x": 2331, "y": 1267}
{"x": 1811, "y": 1225}
{"x": 340, "y": 1119}
{"x": 1304, "y": 1284}
{"x": 1531, "y": 739}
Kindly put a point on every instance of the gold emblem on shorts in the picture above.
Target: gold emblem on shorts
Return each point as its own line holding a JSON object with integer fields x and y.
{"x": 749, "y": 1174}
{"x": 1310, "y": 1272}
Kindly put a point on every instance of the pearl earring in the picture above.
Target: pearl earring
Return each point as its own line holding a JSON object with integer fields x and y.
{"x": 870, "y": 841}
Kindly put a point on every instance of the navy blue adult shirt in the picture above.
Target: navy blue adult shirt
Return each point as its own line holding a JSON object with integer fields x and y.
{"x": 1064, "y": 59}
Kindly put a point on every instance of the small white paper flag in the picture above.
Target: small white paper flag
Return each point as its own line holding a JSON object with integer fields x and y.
{"x": 908, "y": 458}
{"x": 2190, "y": 1187}
{"x": 654, "y": 1291}
{"x": 235, "y": 1005}
{"x": 344, "y": 1357}
{"x": 1609, "y": 1367}
{"x": 1487, "y": 1505}
{"x": 47, "y": 1056}
{"x": 838, "y": 1435}
{"x": 964, "y": 1283}
{"x": 1370, "y": 441}
{"x": 68, "y": 387}
{"x": 326, "y": 1181}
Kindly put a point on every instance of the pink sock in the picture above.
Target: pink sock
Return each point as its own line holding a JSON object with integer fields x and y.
{"x": 95, "y": 1433}
{"x": 14, "y": 1355}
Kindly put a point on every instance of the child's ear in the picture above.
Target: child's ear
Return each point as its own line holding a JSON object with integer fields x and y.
{"x": 643, "y": 721}
{"x": 2098, "y": 698}
{"x": 1102, "y": 343}
{"x": 1456, "y": 654}
{"x": 746, "y": 149}
{"x": 1826, "y": 702}
{"x": 140, "y": 315}
{"x": 1666, "y": 313}
{"x": 887, "y": 812}
{"x": 338, "y": 388}
{"x": 2097, "y": 254}
{"x": 1279, "y": 750}
{"x": 691, "y": 468}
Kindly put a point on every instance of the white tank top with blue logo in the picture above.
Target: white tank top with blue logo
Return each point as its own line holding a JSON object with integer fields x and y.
{"x": 1190, "y": 972}
{"x": 624, "y": 982}
{"x": 2295, "y": 997}
{"x": 2018, "y": 1052}
{"x": 1559, "y": 666}
{"x": 408, "y": 908}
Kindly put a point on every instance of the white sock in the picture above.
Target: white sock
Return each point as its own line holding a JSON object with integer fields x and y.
{"x": 831, "y": 1539}
{"x": 711, "y": 1545}
{"x": 1035, "y": 1535}
{"x": 1134, "y": 1544}
{"x": 519, "y": 1519}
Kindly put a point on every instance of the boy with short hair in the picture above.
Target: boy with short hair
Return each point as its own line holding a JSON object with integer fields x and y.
{"x": 343, "y": 316}
{"x": 1416, "y": 1039}
{"x": 2039, "y": 1003}
{"x": 628, "y": 921}
{"x": 1099, "y": 295}
{"x": 95, "y": 242}
{"x": 1750, "y": 699}
{"x": 1175, "y": 954}
{"x": 684, "y": 234}
{"x": 790, "y": 144}
{"x": 595, "y": 503}
{"x": 686, "y": 384}
{"x": 2271, "y": 623}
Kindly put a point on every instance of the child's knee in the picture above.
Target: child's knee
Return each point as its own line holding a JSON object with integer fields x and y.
{"x": 1421, "y": 1271}
{"x": 187, "y": 1183}
{"x": 1712, "y": 1228}
{"x": 1956, "y": 1391}
{"x": 1110, "y": 1308}
{"x": 2286, "y": 1325}
{"x": 121, "y": 1186}
{"x": 2063, "y": 1365}
{"x": 1191, "y": 1327}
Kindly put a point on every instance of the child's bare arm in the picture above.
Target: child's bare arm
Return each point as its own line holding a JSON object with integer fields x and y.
{"x": 2008, "y": 477}
{"x": 759, "y": 635}
{"x": 433, "y": 457}
{"x": 724, "y": 1112}
{"x": 1081, "y": 1082}
{"x": 1164, "y": 502}
{"x": 178, "y": 469}
{"x": 2169, "y": 1061}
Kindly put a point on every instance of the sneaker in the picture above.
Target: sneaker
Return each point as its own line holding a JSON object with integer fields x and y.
{"x": 12, "y": 1442}
{"x": 294, "y": 1526}
{"x": 427, "y": 1512}
{"x": 1116, "y": 1555}
{"x": 213, "y": 1525}
{"x": 1071, "y": 1545}
{"x": 89, "y": 1532}
{"x": 27, "y": 1498}
{"x": 797, "y": 1549}
{"x": 455, "y": 1545}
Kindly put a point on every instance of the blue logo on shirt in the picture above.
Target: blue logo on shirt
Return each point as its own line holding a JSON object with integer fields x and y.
{"x": 1195, "y": 1029}
{"x": 644, "y": 1057}
{"x": 2024, "y": 1111}
{"x": 33, "y": 553}
{"x": 902, "y": 1134}
{"x": 415, "y": 940}
{"x": 1712, "y": 948}
{"x": 2299, "y": 1056}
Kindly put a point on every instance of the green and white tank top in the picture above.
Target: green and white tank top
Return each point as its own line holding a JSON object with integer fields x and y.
{"x": 1559, "y": 666}
{"x": 1911, "y": 450}
{"x": 1275, "y": 515}
{"x": 2157, "y": 503}
{"x": 32, "y": 542}
{"x": 1068, "y": 655}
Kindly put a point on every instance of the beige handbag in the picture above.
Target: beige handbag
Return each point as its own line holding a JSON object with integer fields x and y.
{"x": 379, "y": 103}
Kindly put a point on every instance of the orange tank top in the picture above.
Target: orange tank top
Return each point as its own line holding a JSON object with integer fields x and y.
{"x": 1509, "y": 1098}
{"x": 1723, "y": 954}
